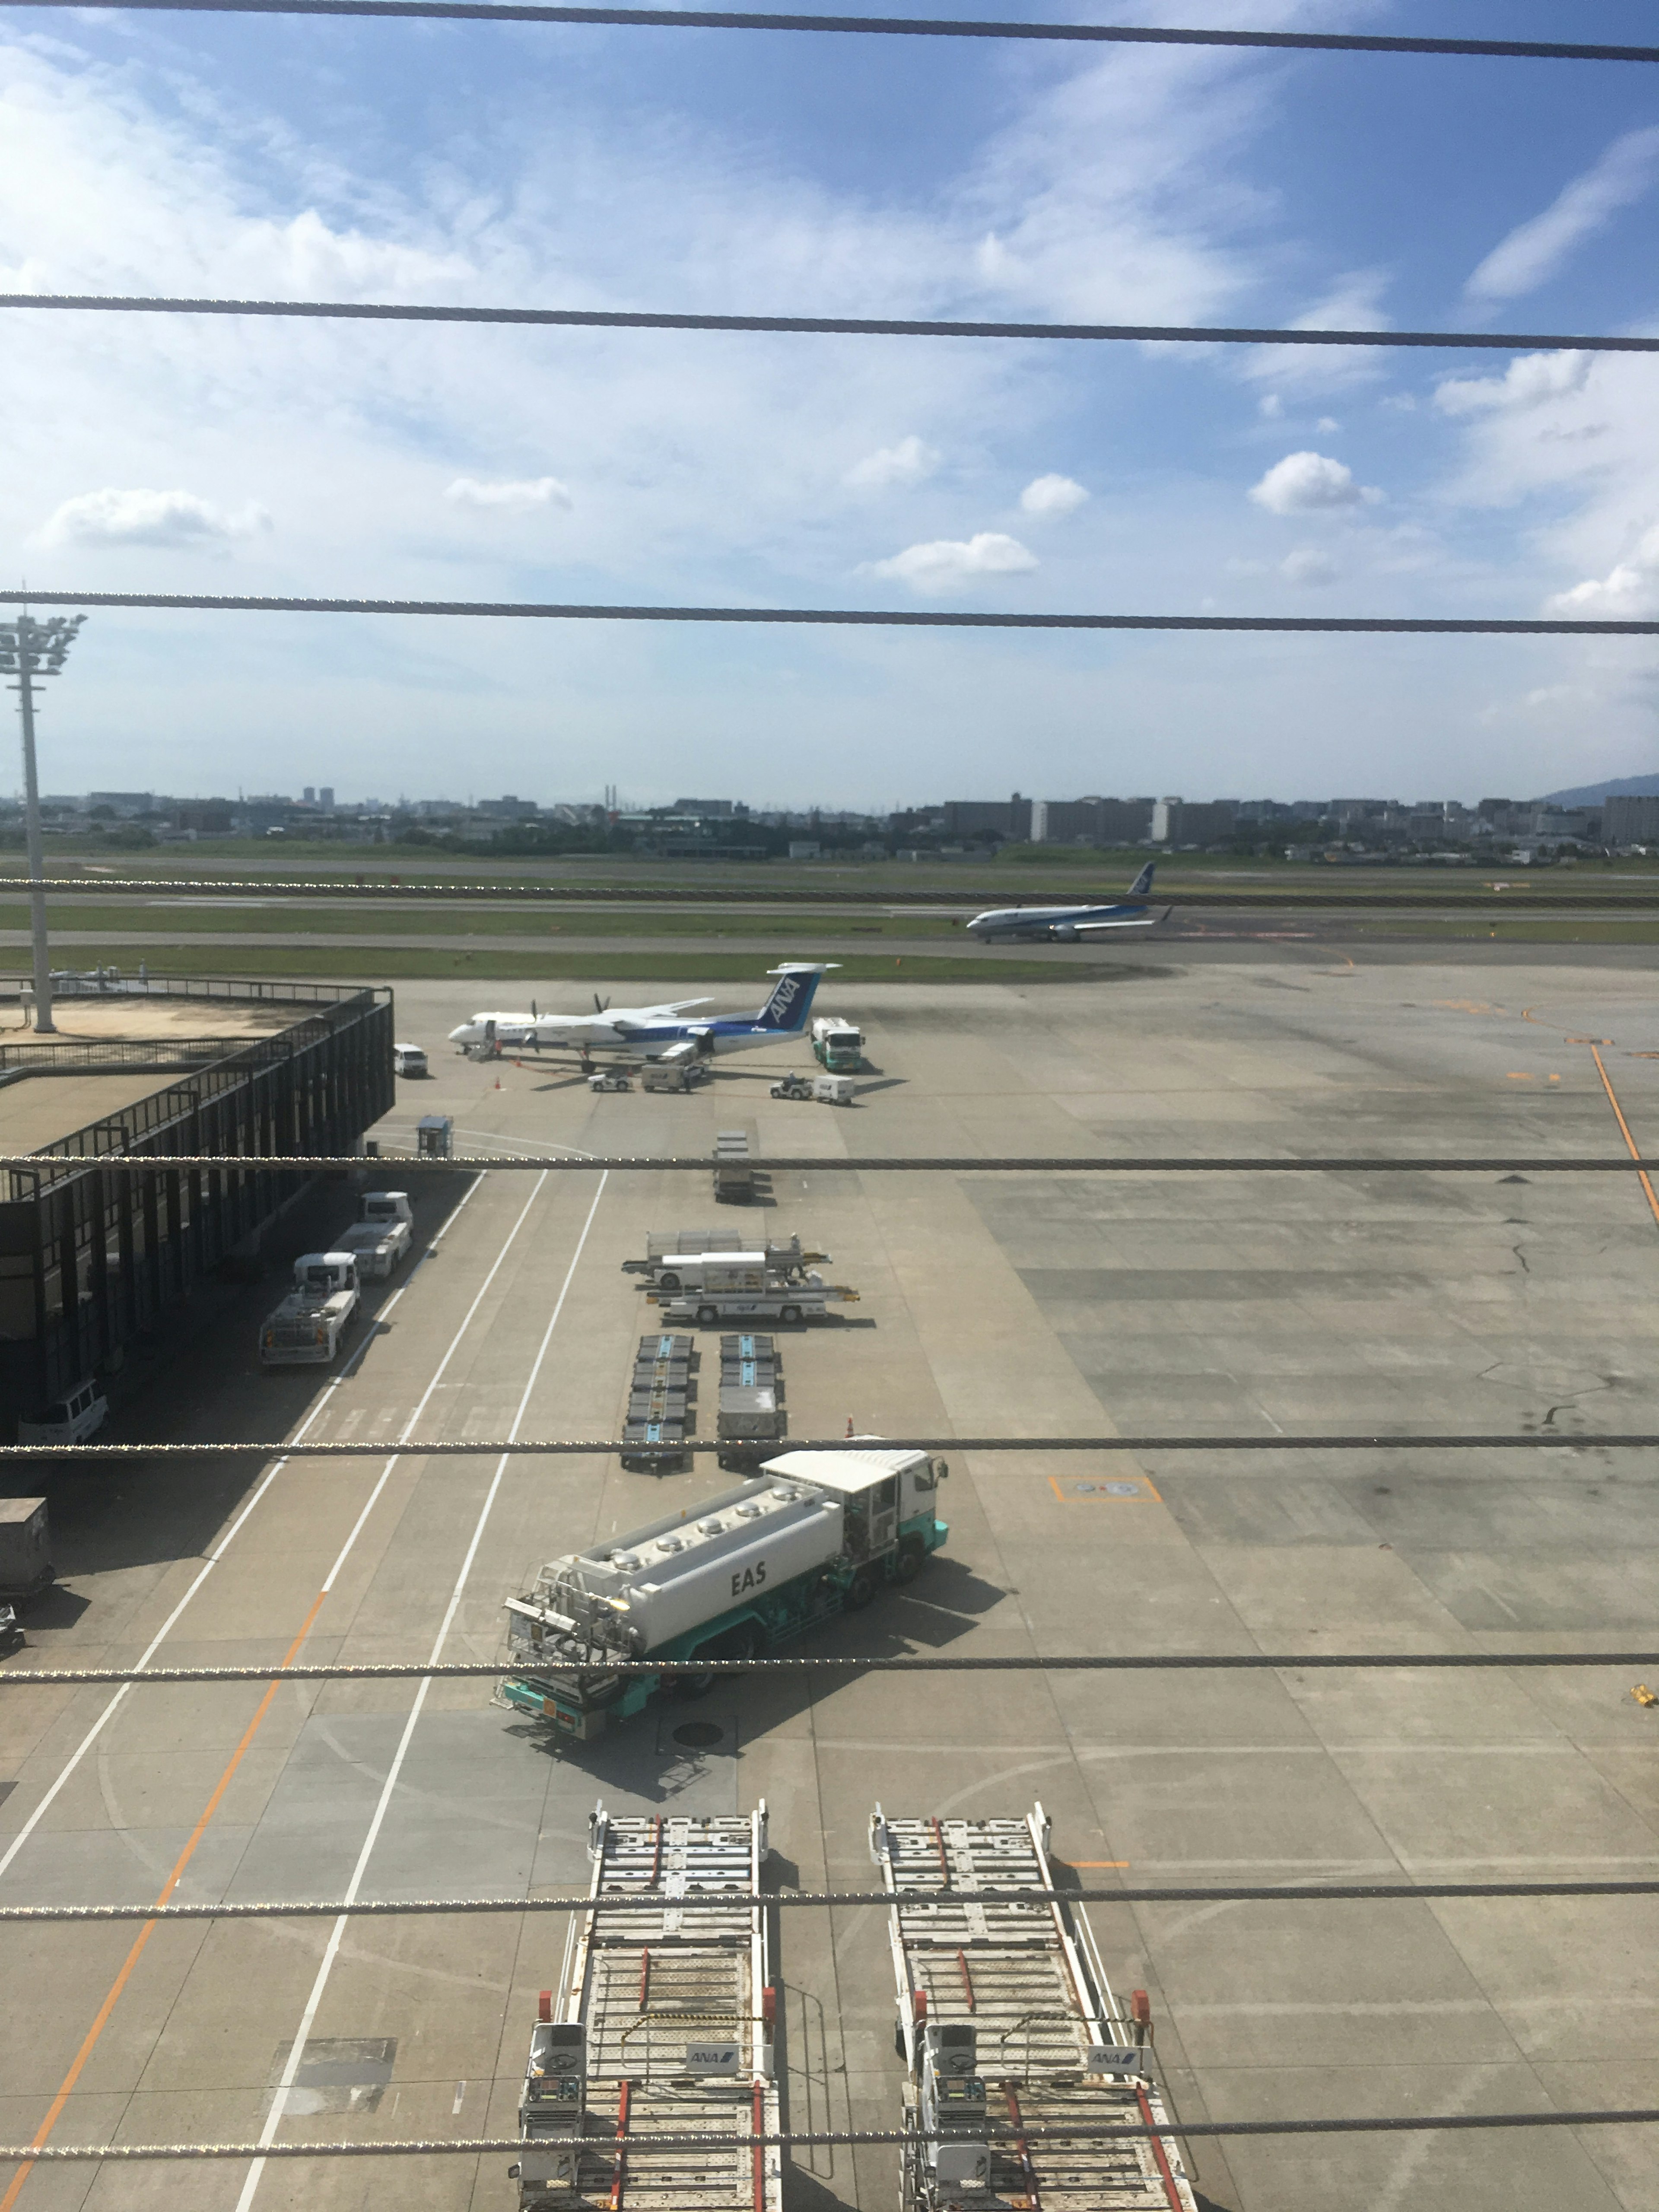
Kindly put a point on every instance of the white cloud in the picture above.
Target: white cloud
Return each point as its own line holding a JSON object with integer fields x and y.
{"x": 1053, "y": 494}
{"x": 1307, "y": 565}
{"x": 947, "y": 563}
{"x": 1628, "y": 592}
{"x": 909, "y": 462}
{"x": 1534, "y": 251}
{"x": 113, "y": 517}
{"x": 1352, "y": 303}
{"x": 1271, "y": 406}
{"x": 1529, "y": 381}
{"x": 510, "y": 495}
{"x": 1327, "y": 422}
{"x": 1306, "y": 483}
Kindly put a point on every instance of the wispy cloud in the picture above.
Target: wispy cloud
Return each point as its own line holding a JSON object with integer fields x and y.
{"x": 520, "y": 496}
{"x": 1535, "y": 250}
{"x": 1310, "y": 483}
{"x": 1629, "y": 591}
{"x": 1053, "y": 494}
{"x": 946, "y": 564}
{"x": 139, "y": 517}
{"x": 1307, "y": 565}
{"x": 909, "y": 462}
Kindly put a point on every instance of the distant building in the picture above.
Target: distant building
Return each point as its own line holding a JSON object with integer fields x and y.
{"x": 125, "y": 803}
{"x": 1094, "y": 821}
{"x": 711, "y": 809}
{"x": 1626, "y": 821}
{"x": 309, "y": 796}
{"x": 326, "y": 796}
{"x": 974, "y": 818}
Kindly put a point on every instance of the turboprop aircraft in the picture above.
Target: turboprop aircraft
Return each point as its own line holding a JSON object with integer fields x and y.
{"x": 1069, "y": 925}
{"x": 651, "y": 1032}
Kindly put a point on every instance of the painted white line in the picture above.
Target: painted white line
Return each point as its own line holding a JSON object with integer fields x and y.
{"x": 218, "y": 1552}
{"x": 309, "y": 2017}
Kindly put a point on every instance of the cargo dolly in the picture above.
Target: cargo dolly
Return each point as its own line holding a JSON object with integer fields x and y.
{"x": 1006, "y": 2022}
{"x": 662, "y": 2023}
{"x": 659, "y": 1417}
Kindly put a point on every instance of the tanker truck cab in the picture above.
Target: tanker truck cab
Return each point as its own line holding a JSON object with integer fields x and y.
{"x": 814, "y": 1535}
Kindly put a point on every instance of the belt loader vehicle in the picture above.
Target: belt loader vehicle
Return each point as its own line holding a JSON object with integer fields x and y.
{"x": 305, "y": 1329}
{"x": 716, "y": 1286}
{"x": 667, "y": 1254}
{"x": 814, "y": 1535}
{"x": 1011, "y": 2034}
{"x": 662, "y": 2023}
{"x": 381, "y": 1236}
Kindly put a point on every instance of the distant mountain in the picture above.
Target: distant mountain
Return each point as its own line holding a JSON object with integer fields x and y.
{"x": 1592, "y": 794}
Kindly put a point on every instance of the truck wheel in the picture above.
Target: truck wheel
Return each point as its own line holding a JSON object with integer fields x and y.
{"x": 861, "y": 1589}
{"x": 708, "y": 1315}
{"x": 694, "y": 1683}
{"x": 789, "y": 1314}
{"x": 912, "y": 1554}
{"x": 668, "y": 1283}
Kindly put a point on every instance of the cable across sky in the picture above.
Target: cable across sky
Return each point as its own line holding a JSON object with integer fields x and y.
{"x": 911, "y": 27}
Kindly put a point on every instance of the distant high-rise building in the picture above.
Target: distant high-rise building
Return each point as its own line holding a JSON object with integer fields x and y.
{"x": 1627, "y": 820}
{"x": 326, "y": 796}
{"x": 309, "y": 796}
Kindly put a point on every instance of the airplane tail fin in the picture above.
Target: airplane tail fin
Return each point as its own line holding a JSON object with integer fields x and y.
{"x": 1143, "y": 882}
{"x": 790, "y": 1001}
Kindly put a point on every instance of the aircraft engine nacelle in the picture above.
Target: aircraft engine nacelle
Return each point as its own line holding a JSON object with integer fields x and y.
{"x": 1063, "y": 934}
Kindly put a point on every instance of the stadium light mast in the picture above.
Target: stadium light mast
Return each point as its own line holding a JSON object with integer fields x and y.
{"x": 30, "y": 650}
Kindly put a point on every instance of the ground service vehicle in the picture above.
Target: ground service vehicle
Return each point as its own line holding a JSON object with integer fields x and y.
{"x": 434, "y": 1136}
{"x": 25, "y": 1567}
{"x": 659, "y": 1417}
{"x": 408, "y": 1060}
{"x": 734, "y": 1177}
{"x": 814, "y": 1535}
{"x": 382, "y": 1234}
{"x": 306, "y": 1329}
{"x": 665, "y": 1252}
{"x": 68, "y": 1421}
{"x": 718, "y": 1287}
{"x": 609, "y": 1079}
{"x": 837, "y": 1045}
{"x": 672, "y": 1074}
{"x": 662, "y": 2022}
{"x": 826, "y": 1089}
{"x": 751, "y": 1424}
{"x": 1005, "y": 2019}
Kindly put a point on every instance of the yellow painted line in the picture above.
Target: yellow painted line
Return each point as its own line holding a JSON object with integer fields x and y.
{"x": 1092, "y": 1863}
{"x": 1624, "y": 1131}
{"x": 101, "y": 2021}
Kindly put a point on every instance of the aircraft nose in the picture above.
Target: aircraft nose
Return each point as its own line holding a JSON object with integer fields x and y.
{"x": 458, "y": 1036}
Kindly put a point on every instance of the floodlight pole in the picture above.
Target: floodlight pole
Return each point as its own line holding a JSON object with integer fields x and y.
{"x": 30, "y": 649}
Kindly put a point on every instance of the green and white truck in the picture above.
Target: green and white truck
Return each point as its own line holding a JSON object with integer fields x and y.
{"x": 814, "y": 1534}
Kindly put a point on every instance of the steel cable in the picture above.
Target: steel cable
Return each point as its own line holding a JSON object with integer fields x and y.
{"x": 499, "y": 11}
{"x": 811, "y": 1164}
{"x": 911, "y": 619}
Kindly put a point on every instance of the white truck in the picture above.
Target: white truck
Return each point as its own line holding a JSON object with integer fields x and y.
{"x": 305, "y": 1329}
{"x": 837, "y": 1045}
{"x": 816, "y": 1534}
{"x": 380, "y": 1238}
{"x": 728, "y": 1286}
{"x": 824, "y": 1090}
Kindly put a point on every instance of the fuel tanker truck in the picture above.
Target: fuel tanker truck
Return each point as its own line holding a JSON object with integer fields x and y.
{"x": 814, "y": 1533}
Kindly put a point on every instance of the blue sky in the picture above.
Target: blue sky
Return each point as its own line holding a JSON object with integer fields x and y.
{"x": 727, "y": 173}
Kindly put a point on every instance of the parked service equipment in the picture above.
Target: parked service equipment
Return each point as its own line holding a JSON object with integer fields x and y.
{"x": 25, "y": 1567}
{"x": 68, "y": 1421}
{"x": 837, "y": 1045}
{"x": 381, "y": 1237}
{"x": 814, "y": 1535}
{"x": 740, "y": 1286}
{"x": 825, "y": 1090}
{"x": 665, "y": 1252}
{"x": 668, "y": 1075}
{"x": 1006, "y": 2016}
{"x": 434, "y": 1136}
{"x": 408, "y": 1060}
{"x": 749, "y": 1425}
{"x": 659, "y": 1417}
{"x": 750, "y": 1359}
{"x": 734, "y": 1177}
{"x": 662, "y": 2022}
{"x": 610, "y": 1079}
{"x": 306, "y": 1329}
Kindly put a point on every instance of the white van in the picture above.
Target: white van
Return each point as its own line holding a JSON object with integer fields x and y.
{"x": 71, "y": 1421}
{"x": 408, "y": 1060}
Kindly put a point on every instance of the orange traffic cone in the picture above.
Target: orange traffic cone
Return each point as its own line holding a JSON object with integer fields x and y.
{"x": 849, "y": 1424}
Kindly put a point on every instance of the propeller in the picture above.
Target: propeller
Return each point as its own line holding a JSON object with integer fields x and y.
{"x": 599, "y": 1004}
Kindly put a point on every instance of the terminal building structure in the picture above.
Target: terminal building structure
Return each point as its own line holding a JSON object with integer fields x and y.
{"x": 96, "y": 1264}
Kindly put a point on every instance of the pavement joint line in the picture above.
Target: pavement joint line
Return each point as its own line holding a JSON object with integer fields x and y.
{"x": 1623, "y": 1127}
{"x": 107, "y": 2010}
{"x": 307, "y": 2020}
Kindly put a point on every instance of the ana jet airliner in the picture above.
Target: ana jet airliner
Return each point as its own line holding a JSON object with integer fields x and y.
{"x": 651, "y": 1032}
{"x": 1069, "y": 925}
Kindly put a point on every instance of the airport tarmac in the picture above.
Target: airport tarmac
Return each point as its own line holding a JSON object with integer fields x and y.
{"x": 1220, "y": 1305}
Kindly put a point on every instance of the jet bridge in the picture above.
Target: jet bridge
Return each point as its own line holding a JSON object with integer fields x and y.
{"x": 1006, "y": 2022}
{"x": 662, "y": 2023}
